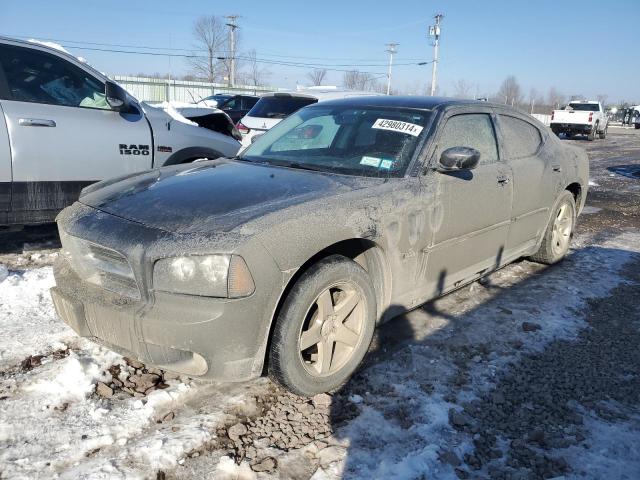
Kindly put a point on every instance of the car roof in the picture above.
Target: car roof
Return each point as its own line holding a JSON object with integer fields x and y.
{"x": 409, "y": 101}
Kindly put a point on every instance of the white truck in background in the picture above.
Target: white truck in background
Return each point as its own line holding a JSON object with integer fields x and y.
{"x": 580, "y": 118}
{"x": 64, "y": 125}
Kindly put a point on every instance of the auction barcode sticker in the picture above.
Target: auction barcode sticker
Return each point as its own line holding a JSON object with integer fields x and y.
{"x": 397, "y": 126}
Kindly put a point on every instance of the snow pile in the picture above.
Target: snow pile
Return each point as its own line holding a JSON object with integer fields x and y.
{"x": 27, "y": 323}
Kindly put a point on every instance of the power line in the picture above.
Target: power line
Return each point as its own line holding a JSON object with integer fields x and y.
{"x": 265, "y": 61}
{"x": 80, "y": 43}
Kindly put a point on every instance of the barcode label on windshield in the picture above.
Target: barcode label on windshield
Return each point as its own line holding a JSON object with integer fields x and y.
{"x": 397, "y": 126}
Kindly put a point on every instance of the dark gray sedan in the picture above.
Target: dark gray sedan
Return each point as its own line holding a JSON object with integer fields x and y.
{"x": 285, "y": 258}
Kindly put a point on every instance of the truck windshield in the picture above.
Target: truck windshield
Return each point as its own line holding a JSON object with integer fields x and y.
{"x": 367, "y": 141}
{"x": 583, "y": 107}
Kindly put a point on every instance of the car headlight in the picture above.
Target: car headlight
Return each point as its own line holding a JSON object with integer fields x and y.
{"x": 225, "y": 276}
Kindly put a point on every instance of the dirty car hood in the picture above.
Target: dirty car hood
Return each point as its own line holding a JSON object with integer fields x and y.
{"x": 213, "y": 196}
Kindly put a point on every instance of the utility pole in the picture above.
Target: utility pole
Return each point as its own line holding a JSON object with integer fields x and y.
{"x": 391, "y": 49}
{"x": 434, "y": 31}
{"x": 232, "y": 46}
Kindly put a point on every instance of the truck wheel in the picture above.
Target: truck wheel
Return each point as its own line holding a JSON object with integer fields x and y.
{"x": 637, "y": 126}
{"x": 591, "y": 136}
{"x": 555, "y": 243}
{"x": 603, "y": 134}
{"x": 324, "y": 328}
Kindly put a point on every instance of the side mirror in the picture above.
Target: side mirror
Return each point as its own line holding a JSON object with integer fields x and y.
{"x": 116, "y": 96}
{"x": 458, "y": 158}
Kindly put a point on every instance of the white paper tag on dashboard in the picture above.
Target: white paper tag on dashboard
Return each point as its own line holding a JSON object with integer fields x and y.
{"x": 397, "y": 126}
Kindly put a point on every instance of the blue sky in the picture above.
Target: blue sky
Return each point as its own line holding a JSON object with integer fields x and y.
{"x": 586, "y": 47}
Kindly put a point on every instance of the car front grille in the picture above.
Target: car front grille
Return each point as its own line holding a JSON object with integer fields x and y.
{"x": 101, "y": 266}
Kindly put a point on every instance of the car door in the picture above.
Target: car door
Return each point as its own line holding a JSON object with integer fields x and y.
{"x": 533, "y": 181}
{"x": 63, "y": 134}
{"x": 472, "y": 209}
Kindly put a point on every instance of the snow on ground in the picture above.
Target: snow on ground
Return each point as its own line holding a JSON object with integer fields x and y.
{"x": 427, "y": 390}
{"x": 53, "y": 424}
{"x": 26, "y": 308}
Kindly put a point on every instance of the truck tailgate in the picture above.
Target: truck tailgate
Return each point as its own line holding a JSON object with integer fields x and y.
{"x": 570, "y": 116}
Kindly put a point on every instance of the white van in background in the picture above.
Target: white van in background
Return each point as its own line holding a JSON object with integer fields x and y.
{"x": 273, "y": 107}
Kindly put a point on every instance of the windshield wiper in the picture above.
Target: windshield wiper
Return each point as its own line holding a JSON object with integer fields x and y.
{"x": 288, "y": 164}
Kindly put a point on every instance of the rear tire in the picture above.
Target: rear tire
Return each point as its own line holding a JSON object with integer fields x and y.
{"x": 592, "y": 135}
{"x": 603, "y": 133}
{"x": 557, "y": 237}
{"x": 324, "y": 327}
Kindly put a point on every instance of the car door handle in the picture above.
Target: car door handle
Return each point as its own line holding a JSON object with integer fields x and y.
{"x": 557, "y": 168}
{"x": 36, "y": 122}
{"x": 502, "y": 181}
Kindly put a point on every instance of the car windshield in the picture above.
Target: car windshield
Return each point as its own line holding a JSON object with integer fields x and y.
{"x": 220, "y": 99}
{"x": 279, "y": 106}
{"x": 368, "y": 141}
{"x": 584, "y": 107}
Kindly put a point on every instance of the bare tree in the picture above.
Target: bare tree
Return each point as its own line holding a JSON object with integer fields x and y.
{"x": 317, "y": 76}
{"x": 356, "y": 80}
{"x": 255, "y": 74}
{"x": 535, "y": 100}
{"x": 555, "y": 98}
{"x": 461, "y": 88}
{"x": 211, "y": 44}
{"x": 510, "y": 91}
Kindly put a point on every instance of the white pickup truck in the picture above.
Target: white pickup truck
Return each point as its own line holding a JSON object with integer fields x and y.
{"x": 580, "y": 118}
{"x": 64, "y": 125}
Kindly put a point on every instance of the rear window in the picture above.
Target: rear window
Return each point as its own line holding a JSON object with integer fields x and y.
{"x": 279, "y": 107}
{"x": 583, "y": 107}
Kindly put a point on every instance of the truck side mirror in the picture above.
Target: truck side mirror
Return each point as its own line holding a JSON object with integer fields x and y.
{"x": 116, "y": 97}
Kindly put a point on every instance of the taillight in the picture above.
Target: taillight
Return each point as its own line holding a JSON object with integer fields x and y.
{"x": 242, "y": 128}
{"x": 552, "y": 114}
{"x": 590, "y": 117}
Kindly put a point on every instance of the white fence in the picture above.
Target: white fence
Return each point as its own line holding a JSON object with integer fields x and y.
{"x": 161, "y": 89}
{"x": 546, "y": 119}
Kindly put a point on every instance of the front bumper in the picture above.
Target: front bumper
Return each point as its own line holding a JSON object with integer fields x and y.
{"x": 212, "y": 338}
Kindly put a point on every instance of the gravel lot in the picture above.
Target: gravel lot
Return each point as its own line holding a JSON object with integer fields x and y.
{"x": 532, "y": 373}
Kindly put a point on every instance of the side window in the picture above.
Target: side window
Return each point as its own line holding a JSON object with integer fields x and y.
{"x": 473, "y": 130}
{"x": 232, "y": 104}
{"x": 248, "y": 102}
{"x": 521, "y": 139}
{"x": 39, "y": 77}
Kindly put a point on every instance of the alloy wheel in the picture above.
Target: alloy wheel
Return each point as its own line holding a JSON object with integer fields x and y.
{"x": 562, "y": 227}
{"x": 332, "y": 329}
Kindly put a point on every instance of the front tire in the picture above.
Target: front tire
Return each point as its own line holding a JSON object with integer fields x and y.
{"x": 324, "y": 328}
{"x": 557, "y": 237}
